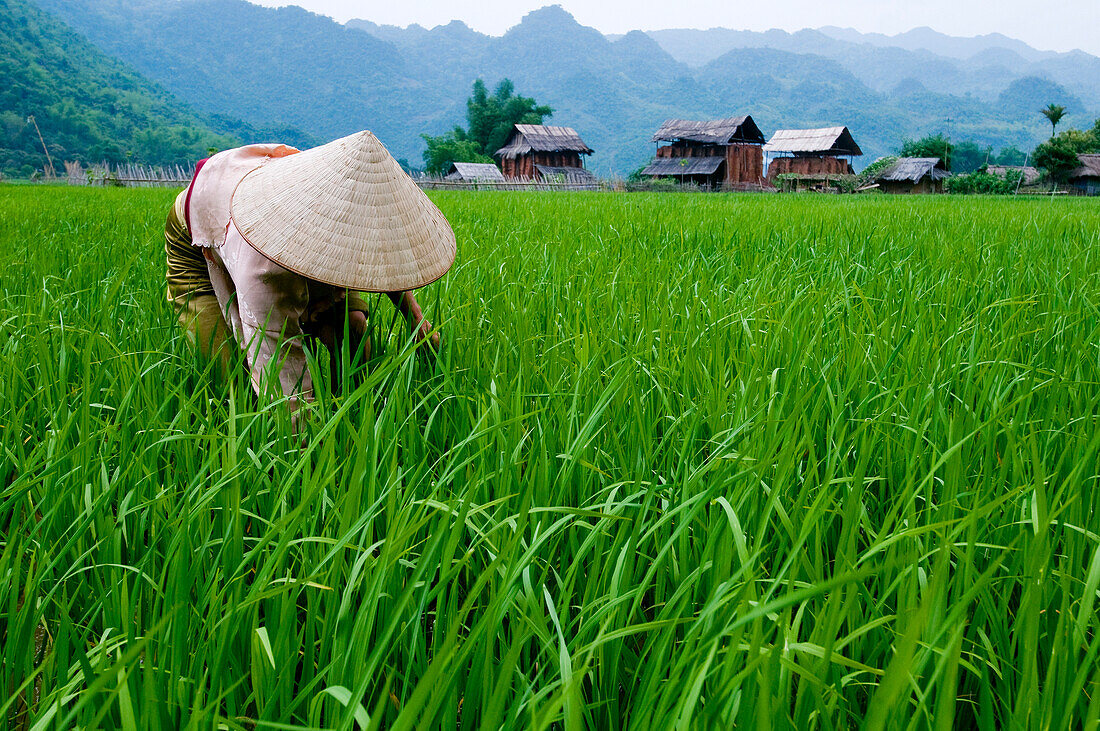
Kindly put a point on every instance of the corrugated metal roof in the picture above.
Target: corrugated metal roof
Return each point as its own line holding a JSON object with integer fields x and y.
{"x": 714, "y": 132}
{"x": 568, "y": 175}
{"x": 527, "y": 138}
{"x": 913, "y": 170}
{"x": 1090, "y": 167}
{"x": 476, "y": 171}
{"x": 677, "y": 166}
{"x": 832, "y": 140}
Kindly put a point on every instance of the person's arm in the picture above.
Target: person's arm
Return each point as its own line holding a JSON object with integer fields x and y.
{"x": 357, "y": 320}
{"x": 406, "y": 304}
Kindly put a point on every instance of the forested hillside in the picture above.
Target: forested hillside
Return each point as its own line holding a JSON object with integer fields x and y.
{"x": 268, "y": 66}
{"x": 90, "y": 107}
{"x": 293, "y": 68}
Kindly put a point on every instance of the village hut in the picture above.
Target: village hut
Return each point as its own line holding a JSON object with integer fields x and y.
{"x": 535, "y": 151}
{"x": 811, "y": 152}
{"x": 1030, "y": 175}
{"x": 474, "y": 172}
{"x": 1085, "y": 180}
{"x": 913, "y": 175}
{"x": 713, "y": 153}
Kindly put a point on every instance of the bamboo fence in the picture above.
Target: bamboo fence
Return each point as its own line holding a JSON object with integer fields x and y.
{"x": 129, "y": 175}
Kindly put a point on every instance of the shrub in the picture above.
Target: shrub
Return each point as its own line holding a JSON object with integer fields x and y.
{"x": 983, "y": 182}
{"x": 875, "y": 169}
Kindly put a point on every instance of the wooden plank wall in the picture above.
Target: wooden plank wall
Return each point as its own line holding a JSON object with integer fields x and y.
{"x": 523, "y": 167}
{"x": 808, "y": 166}
{"x": 690, "y": 150}
{"x": 559, "y": 159}
{"x": 518, "y": 168}
{"x": 904, "y": 187}
{"x": 745, "y": 164}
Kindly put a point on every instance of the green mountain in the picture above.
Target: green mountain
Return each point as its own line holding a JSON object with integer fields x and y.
{"x": 290, "y": 67}
{"x": 89, "y": 106}
{"x": 267, "y": 66}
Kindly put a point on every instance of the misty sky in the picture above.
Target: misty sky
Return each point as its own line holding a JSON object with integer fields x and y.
{"x": 1059, "y": 25}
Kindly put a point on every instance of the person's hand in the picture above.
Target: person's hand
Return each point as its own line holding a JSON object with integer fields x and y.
{"x": 320, "y": 309}
{"x": 431, "y": 341}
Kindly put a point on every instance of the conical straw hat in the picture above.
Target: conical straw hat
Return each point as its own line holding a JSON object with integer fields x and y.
{"x": 345, "y": 214}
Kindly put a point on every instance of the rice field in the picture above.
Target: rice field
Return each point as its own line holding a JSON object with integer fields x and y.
{"x": 685, "y": 461}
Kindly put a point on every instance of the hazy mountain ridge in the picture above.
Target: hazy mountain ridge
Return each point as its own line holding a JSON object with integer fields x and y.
{"x": 330, "y": 79}
{"x": 981, "y": 66}
{"x": 924, "y": 38}
{"x": 957, "y": 93}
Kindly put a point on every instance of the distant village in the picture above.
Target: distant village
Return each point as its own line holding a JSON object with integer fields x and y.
{"x": 729, "y": 154}
{"x": 733, "y": 155}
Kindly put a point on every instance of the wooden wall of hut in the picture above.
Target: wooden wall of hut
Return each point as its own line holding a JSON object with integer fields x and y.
{"x": 808, "y": 166}
{"x": 559, "y": 159}
{"x": 926, "y": 186}
{"x": 688, "y": 149}
{"x": 744, "y": 165}
{"x": 523, "y": 167}
{"x": 1084, "y": 186}
{"x": 518, "y": 168}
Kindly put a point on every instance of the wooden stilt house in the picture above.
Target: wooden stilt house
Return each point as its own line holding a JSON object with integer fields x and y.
{"x": 716, "y": 153}
{"x": 539, "y": 152}
{"x": 811, "y": 152}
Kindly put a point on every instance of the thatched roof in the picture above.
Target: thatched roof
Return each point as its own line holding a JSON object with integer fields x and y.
{"x": 568, "y": 175}
{"x": 527, "y": 138}
{"x": 1090, "y": 167}
{"x": 825, "y": 141}
{"x": 480, "y": 172}
{"x": 714, "y": 132}
{"x": 1031, "y": 175}
{"x": 678, "y": 166}
{"x": 913, "y": 170}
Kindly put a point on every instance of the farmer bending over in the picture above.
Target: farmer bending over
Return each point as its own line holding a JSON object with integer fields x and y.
{"x": 269, "y": 244}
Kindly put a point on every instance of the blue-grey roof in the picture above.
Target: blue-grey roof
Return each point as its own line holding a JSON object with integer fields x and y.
{"x": 482, "y": 172}
{"x": 677, "y": 166}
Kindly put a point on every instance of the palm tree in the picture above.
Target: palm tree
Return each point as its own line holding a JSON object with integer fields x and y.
{"x": 1054, "y": 114}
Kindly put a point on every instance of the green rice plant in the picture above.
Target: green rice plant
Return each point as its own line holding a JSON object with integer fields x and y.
{"x": 685, "y": 461}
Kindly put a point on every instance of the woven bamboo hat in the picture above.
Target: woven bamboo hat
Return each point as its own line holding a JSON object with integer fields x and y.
{"x": 345, "y": 214}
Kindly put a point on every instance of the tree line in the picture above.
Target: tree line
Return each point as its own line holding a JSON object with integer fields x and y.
{"x": 1058, "y": 156}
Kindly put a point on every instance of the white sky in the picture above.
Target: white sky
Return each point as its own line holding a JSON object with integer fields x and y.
{"x": 1058, "y": 25}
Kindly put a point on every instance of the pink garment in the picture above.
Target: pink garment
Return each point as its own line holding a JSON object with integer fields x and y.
{"x": 263, "y": 303}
